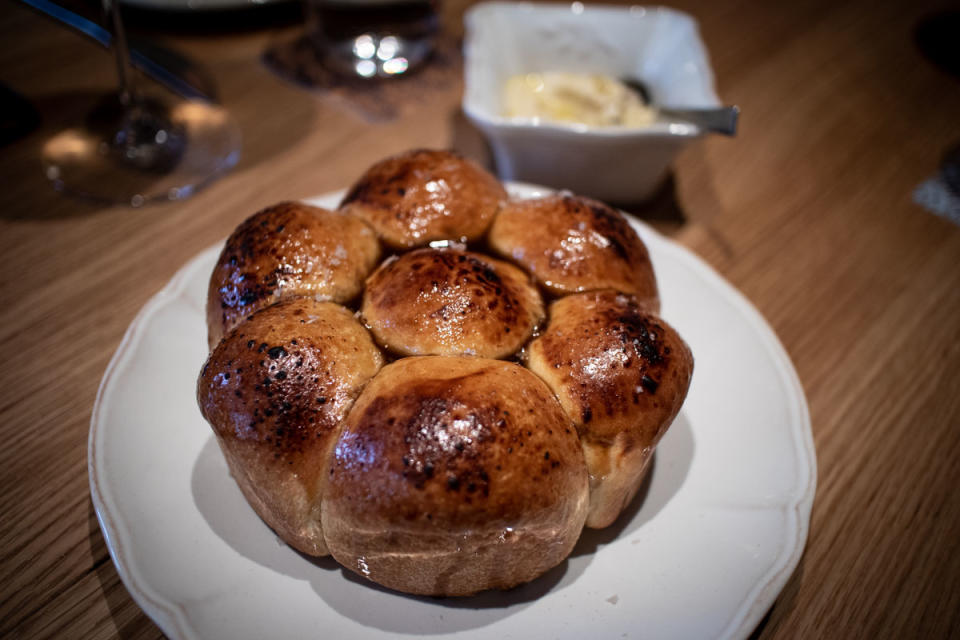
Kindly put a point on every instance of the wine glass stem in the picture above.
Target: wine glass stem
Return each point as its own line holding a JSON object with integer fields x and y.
{"x": 121, "y": 52}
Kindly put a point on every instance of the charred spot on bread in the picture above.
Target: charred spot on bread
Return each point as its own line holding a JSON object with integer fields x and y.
{"x": 574, "y": 244}
{"x": 288, "y": 250}
{"x": 424, "y": 195}
{"x": 622, "y": 373}
{"x": 435, "y": 435}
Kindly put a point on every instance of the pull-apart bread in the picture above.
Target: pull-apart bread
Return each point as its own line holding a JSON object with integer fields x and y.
{"x": 437, "y": 384}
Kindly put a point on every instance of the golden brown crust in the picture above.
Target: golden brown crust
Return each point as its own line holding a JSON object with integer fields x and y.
{"x": 275, "y": 390}
{"x": 451, "y": 302}
{"x": 287, "y": 250}
{"x": 622, "y": 374}
{"x": 572, "y": 244}
{"x": 446, "y": 472}
{"x": 453, "y": 475}
{"x": 420, "y": 196}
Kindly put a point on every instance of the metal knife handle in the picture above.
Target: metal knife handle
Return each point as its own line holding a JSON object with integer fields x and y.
{"x": 720, "y": 120}
{"x": 142, "y": 62}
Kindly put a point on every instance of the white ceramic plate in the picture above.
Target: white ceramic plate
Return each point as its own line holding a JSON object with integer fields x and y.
{"x": 702, "y": 553}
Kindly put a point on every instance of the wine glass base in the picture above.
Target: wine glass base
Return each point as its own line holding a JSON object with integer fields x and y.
{"x": 144, "y": 151}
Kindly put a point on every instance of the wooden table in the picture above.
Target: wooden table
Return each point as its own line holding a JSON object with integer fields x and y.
{"x": 808, "y": 212}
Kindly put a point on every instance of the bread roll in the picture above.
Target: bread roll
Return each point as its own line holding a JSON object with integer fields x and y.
{"x": 450, "y": 470}
{"x": 572, "y": 244}
{"x": 275, "y": 390}
{"x": 453, "y": 475}
{"x": 451, "y": 302}
{"x": 290, "y": 249}
{"x": 622, "y": 374}
{"x": 420, "y": 196}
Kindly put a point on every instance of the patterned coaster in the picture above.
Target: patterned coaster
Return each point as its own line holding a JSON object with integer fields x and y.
{"x": 375, "y": 100}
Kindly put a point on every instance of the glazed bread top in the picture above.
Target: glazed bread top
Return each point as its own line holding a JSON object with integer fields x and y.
{"x": 451, "y": 302}
{"x": 285, "y": 251}
{"x": 287, "y": 376}
{"x": 616, "y": 367}
{"x": 276, "y": 390}
{"x": 500, "y": 428}
{"x": 420, "y": 196}
{"x": 440, "y": 439}
{"x": 572, "y": 244}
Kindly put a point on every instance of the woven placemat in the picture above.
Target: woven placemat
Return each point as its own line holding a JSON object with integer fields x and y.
{"x": 374, "y": 100}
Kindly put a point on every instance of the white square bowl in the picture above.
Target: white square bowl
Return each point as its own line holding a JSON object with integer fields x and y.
{"x": 658, "y": 46}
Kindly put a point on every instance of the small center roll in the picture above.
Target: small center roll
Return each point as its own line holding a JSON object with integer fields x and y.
{"x": 451, "y": 302}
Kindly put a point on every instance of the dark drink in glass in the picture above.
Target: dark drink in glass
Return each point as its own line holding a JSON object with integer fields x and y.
{"x": 373, "y": 38}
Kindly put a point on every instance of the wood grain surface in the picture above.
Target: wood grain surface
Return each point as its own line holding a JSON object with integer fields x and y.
{"x": 808, "y": 212}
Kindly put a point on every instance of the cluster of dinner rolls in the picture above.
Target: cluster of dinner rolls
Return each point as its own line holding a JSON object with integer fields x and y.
{"x": 437, "y": 384}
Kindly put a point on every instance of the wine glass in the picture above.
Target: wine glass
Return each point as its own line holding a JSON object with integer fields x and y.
{"x": 133, "y": 148}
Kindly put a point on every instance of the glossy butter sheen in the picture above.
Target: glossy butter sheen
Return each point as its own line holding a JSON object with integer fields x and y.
{"x": 436, "y": 445}
{"x": 445, "y": 472}
{"x": 290, "y": 249}
{"x": 276, "y": 390}
{"x": 621, "y": 373}
{"x": 420, "y": 196}
{"x": 451, "y": 302}
{"x": 571, "y": 244}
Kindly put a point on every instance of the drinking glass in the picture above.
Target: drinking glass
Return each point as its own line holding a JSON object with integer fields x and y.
{"x": 372, "y": 38}
{"x": 133, "y": 148}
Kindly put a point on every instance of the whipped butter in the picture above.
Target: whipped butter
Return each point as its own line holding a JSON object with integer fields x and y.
{"x": 592, "y": 99}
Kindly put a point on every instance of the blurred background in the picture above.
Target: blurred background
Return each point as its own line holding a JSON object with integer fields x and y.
{"x": 833, "y": 210}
